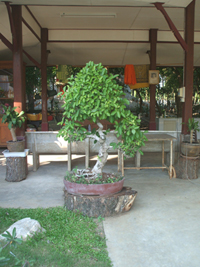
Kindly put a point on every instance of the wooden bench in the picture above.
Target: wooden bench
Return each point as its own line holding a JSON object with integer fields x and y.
{"x": 48, "y": 143}
{"x": 157, "y": 142}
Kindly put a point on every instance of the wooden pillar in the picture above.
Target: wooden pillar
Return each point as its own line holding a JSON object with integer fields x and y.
{"x": 189, "y": 64}
{"x": 153, "y": 41}
{"x": 18, "y": 74}
{"x": 44, "y": 39}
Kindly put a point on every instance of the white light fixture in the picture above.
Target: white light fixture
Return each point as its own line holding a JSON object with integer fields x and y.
{"x": 88, "y": 15}
{"x": 181, "y": 92}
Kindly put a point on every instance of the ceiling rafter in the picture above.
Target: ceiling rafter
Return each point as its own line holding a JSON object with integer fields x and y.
{"x": 173, "y": 28}
{"x": 31, "y": 29}
{"x": 10, "y": 19}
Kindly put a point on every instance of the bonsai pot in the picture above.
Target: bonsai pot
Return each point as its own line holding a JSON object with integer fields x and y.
{"x": 93, "y": 189}
{"x": 190, "y": 149}
{"x": 17, "y": 146}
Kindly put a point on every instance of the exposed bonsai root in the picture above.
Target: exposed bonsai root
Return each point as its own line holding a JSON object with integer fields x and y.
{"x": 86, "y": 173}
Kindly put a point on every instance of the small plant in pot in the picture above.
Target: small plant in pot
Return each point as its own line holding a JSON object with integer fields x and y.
{"x": 14, "y": 120}
{"x": 94, "y": 95}
{"x": 191, "y": 147}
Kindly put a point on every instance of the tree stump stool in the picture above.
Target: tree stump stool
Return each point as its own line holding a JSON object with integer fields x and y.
{"x": 95, "y": 206}
{"x": 187, "y": 167}
{"x": 16, "y": 169}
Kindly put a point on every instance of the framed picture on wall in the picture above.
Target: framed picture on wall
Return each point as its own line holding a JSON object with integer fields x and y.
{"x": 153, "y": 76}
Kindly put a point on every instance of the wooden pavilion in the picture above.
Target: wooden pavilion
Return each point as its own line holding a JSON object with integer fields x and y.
{"x": 115, "y": 33}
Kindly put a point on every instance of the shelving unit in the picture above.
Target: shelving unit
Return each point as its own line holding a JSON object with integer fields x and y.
{"x": 6, "y": 86}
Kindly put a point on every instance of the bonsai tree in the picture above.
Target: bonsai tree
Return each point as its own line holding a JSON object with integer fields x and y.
{"x": 14, "y": 119}
{"x": 94, "y": 95}
{"x": 193, "y": 127}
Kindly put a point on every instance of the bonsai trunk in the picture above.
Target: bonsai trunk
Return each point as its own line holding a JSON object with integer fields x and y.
{"x": 103, "y": 155}
{"x": 102, "y": 158}
{"x": 14, "y": 137}
{"x": 191, "y": 136}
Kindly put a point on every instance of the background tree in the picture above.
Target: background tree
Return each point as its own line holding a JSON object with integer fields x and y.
{"x": 196, "y": 84}
{"x": 51, "y": 76}
{"x": 33, "y": 80}
{"x": 173, "y": 77}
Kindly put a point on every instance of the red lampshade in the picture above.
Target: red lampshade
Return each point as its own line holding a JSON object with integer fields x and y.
{"x": 129, "y": 75}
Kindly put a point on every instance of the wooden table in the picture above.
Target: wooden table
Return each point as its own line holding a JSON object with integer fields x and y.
{"x": 154, "y": 138}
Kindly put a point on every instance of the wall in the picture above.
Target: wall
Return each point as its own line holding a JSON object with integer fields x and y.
{"x": 173, "y": 124}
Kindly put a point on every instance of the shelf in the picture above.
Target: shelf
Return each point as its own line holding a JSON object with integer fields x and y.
{"x": 6, "y": 98}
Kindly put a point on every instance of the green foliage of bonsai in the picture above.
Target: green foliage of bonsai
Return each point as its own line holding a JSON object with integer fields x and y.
{"x": 14, "y": 119}
{"x": 193, "y": 126}
{"x": 94, "y": 95}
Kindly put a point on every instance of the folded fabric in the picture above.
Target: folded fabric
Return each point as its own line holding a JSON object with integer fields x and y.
{"x": 129, "y": 75}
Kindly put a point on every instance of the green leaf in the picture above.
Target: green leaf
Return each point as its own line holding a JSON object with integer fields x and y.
{"x": 14, "y": 232}
{"x": 120, "y": 130}
{"x": 3, "y": 261}
{"x": 118, "y": 114}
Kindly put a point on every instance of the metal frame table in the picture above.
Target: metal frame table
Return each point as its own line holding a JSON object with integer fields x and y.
{"x": 156, "y": 137}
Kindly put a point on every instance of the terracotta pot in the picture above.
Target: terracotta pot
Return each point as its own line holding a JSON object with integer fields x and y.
{"x": 17, "y": 146}
{"x": 190, "y": 149}
{"x": 93, "y": 189}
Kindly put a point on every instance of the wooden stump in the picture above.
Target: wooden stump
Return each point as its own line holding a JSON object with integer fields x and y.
{"x": 95, "y": 206}
{"x": 187, "y": 167}
{"x": 16, "y": 169}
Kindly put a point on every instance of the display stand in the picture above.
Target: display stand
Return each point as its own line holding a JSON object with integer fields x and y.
{"x": 187, "y": 167}
{"x": 16, "y": 165}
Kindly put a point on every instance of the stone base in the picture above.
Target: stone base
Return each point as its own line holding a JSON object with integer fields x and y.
{"x": 104, "y": 206}
{"x": 16, "y": 169}
{"x": 187, "y": 167}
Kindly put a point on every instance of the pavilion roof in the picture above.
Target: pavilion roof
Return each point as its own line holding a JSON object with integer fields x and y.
{"x": 113, "y": 32}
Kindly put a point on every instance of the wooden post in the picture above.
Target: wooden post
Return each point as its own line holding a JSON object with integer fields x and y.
{"x": 18, "y": 70}
{"x": 44, "y": 39}
{"x": 153, "y": 41}
{"x": 189, "y": 64}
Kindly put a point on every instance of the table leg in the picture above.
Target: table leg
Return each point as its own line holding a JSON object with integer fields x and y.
{"x": 163, "y": 154}
{"x": 87, "y": 152}
{"x": 122, "y": 164}
{"x": 69, "y": 152}
{"x": 119, "y": 160}
{"x": 138, "y": 160}
{"x": 170, "y": 163}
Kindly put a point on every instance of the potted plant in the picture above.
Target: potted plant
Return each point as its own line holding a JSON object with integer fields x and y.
{"x": 191, "y": 148}
{"x": 14, "y": 120}
{"x": 94, "y": 95}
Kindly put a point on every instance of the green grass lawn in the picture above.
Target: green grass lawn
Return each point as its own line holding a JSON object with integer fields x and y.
{"x": 71, "y": 239}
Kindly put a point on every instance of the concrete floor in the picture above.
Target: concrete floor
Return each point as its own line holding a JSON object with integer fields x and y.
{"x": 162, "y": 228}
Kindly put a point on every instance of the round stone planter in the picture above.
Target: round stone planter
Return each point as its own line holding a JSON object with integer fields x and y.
{"x": 190, "y": 149}
{"x": 93, "y": 189}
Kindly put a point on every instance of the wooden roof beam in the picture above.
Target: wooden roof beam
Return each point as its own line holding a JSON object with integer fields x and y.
{"x": 10, "y": 46}
{"x": 10, "y": 19}
{"x": 172, "y": 26}
{"x": 32, "y": 59}
{"x": 6, "y": 42}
